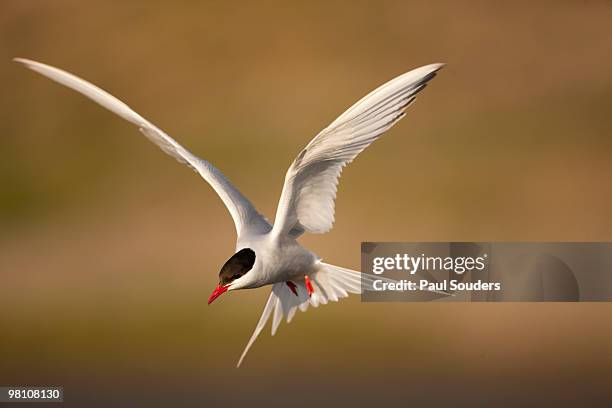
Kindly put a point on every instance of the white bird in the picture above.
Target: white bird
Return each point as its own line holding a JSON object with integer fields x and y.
{"x": 270, "y": 254}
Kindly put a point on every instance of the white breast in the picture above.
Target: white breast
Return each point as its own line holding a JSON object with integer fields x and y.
{"x": 275, "y": 261}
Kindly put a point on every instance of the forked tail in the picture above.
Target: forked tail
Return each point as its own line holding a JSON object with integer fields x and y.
{"x": 330, "y": 283}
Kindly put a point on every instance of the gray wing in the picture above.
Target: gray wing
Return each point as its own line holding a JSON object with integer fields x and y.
{"x": 308, "y": 198}
{"x": 246, "y": 218}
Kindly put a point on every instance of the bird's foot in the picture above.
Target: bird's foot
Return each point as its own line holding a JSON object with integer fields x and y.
{"x": 292, "y": 286}
{"x": 309, "y": 287}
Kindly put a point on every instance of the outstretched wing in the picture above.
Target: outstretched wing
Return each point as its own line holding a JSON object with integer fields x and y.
{"x": 309, "y": 192}
{"x": 245, "y": 217}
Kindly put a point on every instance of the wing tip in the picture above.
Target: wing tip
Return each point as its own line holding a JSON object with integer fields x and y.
{"x": 22, "y": 61}
{"x": 28, "y": 63}
{"x": 38, "y": 67}
{"x": 429, "y": 71}
{"x": 437, "y": 66}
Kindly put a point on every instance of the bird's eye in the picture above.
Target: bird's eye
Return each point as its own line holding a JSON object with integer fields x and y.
{"x": 236, "y": 276}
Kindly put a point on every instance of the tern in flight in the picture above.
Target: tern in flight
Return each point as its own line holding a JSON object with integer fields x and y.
{"x": 270, "y": 254}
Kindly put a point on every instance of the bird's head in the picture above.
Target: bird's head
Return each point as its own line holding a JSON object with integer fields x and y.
{"x": 234, "y": 269}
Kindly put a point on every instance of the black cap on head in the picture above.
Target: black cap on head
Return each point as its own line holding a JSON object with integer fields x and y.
{"x": 239, "y": 264}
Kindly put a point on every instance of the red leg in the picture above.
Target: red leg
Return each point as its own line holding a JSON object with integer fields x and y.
{"x": 292, "y": 286}
{"x": 308, "y": 285}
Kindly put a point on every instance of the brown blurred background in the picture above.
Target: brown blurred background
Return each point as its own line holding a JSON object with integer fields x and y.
{"x": 109, "y": 249}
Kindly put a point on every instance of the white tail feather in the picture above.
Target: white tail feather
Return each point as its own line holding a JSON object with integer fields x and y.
{"x": 330, "y": 283}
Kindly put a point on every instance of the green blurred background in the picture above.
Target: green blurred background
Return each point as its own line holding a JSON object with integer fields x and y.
{"x": 109, "y": 249}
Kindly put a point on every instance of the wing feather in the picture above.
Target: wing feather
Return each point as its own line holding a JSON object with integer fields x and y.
{"x": 245, "y": 216}
{"x": 308, "y": 198}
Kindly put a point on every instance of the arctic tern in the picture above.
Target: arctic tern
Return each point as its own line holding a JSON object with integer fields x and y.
{"x": 270, "y": 254}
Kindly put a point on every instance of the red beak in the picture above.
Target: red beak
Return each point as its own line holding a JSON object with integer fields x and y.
{"x": 219, "y": 290}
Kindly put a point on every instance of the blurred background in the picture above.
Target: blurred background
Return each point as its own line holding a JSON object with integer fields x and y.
{"x": 109, "y": 249}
